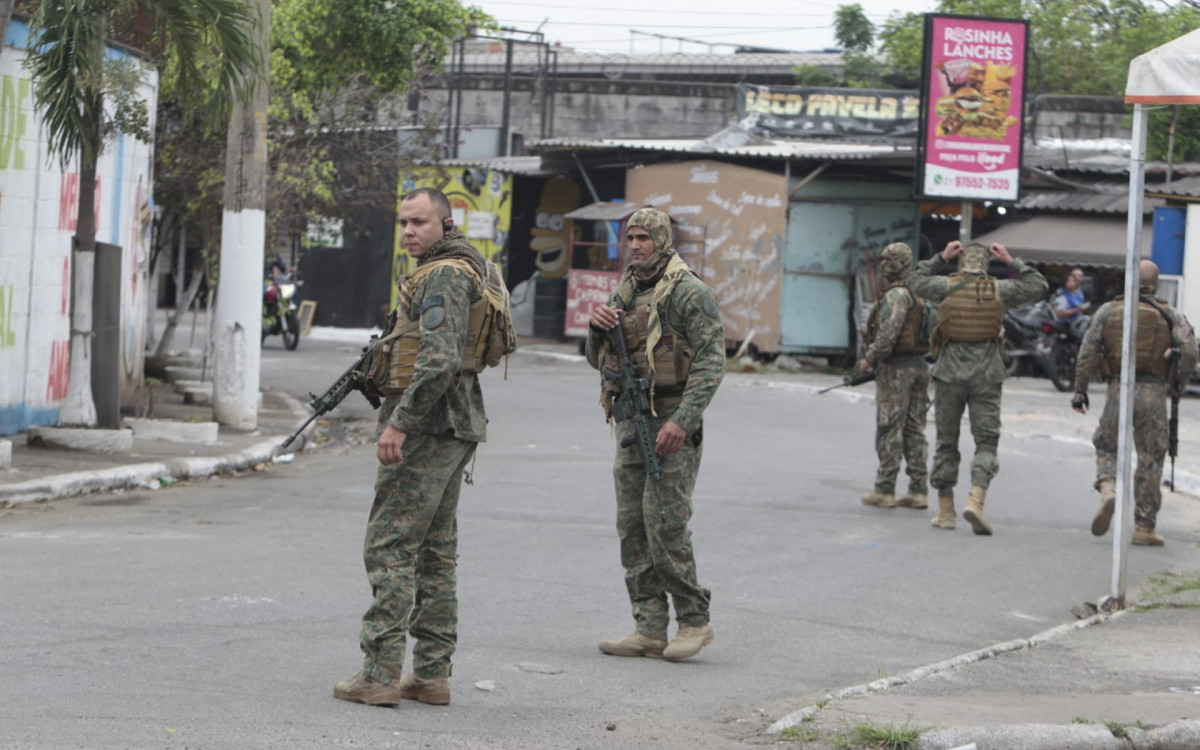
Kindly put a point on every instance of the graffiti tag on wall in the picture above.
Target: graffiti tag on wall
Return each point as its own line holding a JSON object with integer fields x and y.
{"x": 733, "y": 222}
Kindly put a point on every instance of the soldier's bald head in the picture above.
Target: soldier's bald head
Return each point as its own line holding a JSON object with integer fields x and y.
{"x": 1147, "y": 277}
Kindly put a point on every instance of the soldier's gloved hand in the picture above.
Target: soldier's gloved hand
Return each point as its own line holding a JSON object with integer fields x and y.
{"x": 1080, "y": 403}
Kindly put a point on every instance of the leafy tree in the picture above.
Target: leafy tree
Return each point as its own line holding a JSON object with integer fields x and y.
{"x": 71, "y": 81}
{"x": 336, "y": 69}
{"x": 814, "y": 75}
{"x": 852, "y": 29}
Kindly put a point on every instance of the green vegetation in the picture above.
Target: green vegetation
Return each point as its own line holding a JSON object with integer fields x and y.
{"x": 800, "y": 734}
{"x": 872, "y": 736}
{"x": 1158, "y": 589}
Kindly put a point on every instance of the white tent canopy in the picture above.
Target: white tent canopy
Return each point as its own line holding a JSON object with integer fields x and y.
{"x": 1165, "y": 75}
{"x": 1169, "y": 74}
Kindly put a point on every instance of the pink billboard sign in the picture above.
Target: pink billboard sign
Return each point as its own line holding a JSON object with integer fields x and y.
{"x": 587, "y": 290}
{"x": 974, "y": 86}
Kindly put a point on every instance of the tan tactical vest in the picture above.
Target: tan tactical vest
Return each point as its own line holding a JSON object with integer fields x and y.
{"x": 1153, "y": 338}
{"x": 672, "y": 355}
{"x": 395, "y": 355}
{"x": 973, "y": 311}
{"x": 906, "y": 342}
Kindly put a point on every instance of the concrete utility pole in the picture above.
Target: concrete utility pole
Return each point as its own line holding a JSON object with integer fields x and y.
{"x": 238, "y": 317}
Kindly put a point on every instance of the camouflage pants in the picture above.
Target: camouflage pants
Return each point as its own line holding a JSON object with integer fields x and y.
{"x": 949, "y": 402}
{"x": 410, "y": 552}
{"x": 901, "y": 405}
{"x": 1150, "y": 425}
{"x": 656, "y": 554}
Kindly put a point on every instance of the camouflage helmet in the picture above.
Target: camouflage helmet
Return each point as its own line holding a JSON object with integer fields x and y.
{"x": 657, "y": 223}
{"x": 974, "y": 259}
{"x": 896, "y": 260}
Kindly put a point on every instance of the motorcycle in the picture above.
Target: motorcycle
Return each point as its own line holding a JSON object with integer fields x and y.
{"x": 280, "y": 312}
{"x": 1032, "y": 333}
{"x": 1057, "y": 350}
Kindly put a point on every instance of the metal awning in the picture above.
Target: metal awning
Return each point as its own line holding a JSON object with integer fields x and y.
{"x": 1070, "y": 240}
{"x": 603, "y": 211}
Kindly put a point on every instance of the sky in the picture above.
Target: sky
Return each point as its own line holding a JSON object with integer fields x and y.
{"x": 605, "y": 25}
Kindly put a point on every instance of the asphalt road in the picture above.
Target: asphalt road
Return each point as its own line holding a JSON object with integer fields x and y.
{"x": 218, "y": 613}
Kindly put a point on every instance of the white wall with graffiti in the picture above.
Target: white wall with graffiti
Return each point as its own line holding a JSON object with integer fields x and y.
{"x": 38, "y": 203}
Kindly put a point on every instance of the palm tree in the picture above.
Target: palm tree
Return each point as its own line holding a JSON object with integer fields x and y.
{"x": 70, "y": 83}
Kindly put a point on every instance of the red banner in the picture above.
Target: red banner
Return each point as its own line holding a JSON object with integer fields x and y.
{"x": 973, "y": 94}
{"x": 587, "y": 290}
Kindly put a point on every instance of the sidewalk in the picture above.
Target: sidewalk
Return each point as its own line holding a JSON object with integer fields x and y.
{"x": 1130, "y": 680}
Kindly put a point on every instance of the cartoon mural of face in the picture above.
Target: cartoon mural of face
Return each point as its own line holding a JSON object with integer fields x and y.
{"x": 551, "y": 235}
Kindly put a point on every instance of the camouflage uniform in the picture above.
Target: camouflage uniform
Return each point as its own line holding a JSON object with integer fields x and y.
{"x": 657, "y": 555}
{"x": 1150, "y": 421}
{"x": 412, "y": 535}
{"x": 901, "y": 385}
{"x": 970, "y": 374}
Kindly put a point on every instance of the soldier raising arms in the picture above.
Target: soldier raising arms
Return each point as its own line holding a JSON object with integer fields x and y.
{"x": 968, "y": 370}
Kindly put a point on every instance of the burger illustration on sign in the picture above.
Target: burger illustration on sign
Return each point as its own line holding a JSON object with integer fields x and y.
{"x": 978, "y": 104}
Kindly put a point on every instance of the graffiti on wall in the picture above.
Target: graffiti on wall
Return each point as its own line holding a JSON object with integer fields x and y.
{"x": 13, "y": 121}
{"x": 552, "y": 233}
{"x": 733, "y": 222}
{"x": 480, "y": 204}
{"x": 39, "y": 201}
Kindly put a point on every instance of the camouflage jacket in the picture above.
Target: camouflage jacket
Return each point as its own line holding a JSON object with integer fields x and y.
{"x": 688, "y": 312}
{"x": 440, "y": 397}
{"x": 894, "y": 306}
{"x": 1092, "y": 347}
{"x": 975, "y": 362}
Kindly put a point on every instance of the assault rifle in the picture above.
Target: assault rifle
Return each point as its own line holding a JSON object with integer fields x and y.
{"x": 1173, "y": 424}
{"x": 850, "y": 380}
{"x": 633, "y": 402}
{"x": 350, "y": 380}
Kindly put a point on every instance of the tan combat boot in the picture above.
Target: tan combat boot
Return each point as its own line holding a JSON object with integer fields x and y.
{"x": 362, "y": 689}
{"x": 1145, "y": 537}
{"x": 915, "y": 500}
{"x": 973, "y": 513}
{"x": 879, "y": 499}
{"x": 635, "y": 644}
{"x": 435, "y": 691}
{"x": 1108, "y": 503}
{"x": 945, "y": 517}
{"x": 688, "y": 642}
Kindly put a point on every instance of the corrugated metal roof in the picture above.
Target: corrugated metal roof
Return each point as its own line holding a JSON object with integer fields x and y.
{"x": 530, "y": 166}
{"x": 603, "y": 211}
{"x": 1068, "y": 239}
{"x": 1081, "y": 201}
{"x": 776, "y": 149}
{"x": 1188, "y": 187}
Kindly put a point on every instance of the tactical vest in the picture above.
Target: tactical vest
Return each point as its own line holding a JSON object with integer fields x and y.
{"x": 1153, "y": 338}
{"x": 908, "y": 341}
{"x": 973, "y": 311}
{"x": 394, "y": 356}
{"x": 672, "y": 355}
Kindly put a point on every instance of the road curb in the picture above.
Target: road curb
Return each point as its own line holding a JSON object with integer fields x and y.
{"x": 136, "y": 475}
{"x": 797, "y": 717}
{"x": 1178, "y": 735}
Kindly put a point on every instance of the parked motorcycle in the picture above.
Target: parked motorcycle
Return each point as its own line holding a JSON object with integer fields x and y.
{"x": 1033, "y": 334}
{"x": 280, "y": 316}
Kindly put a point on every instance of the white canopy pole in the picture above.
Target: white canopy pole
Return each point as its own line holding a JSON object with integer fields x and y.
{"x": 1125, "y": 503}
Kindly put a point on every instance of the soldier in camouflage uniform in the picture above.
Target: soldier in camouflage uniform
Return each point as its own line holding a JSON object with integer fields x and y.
{"x": 901, "y": 384}
{"x": 428, "y": 433}
{"x": 672, "y": 327}
{"x": 968, "y": 371}
{"x": 1162, "y": 331}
